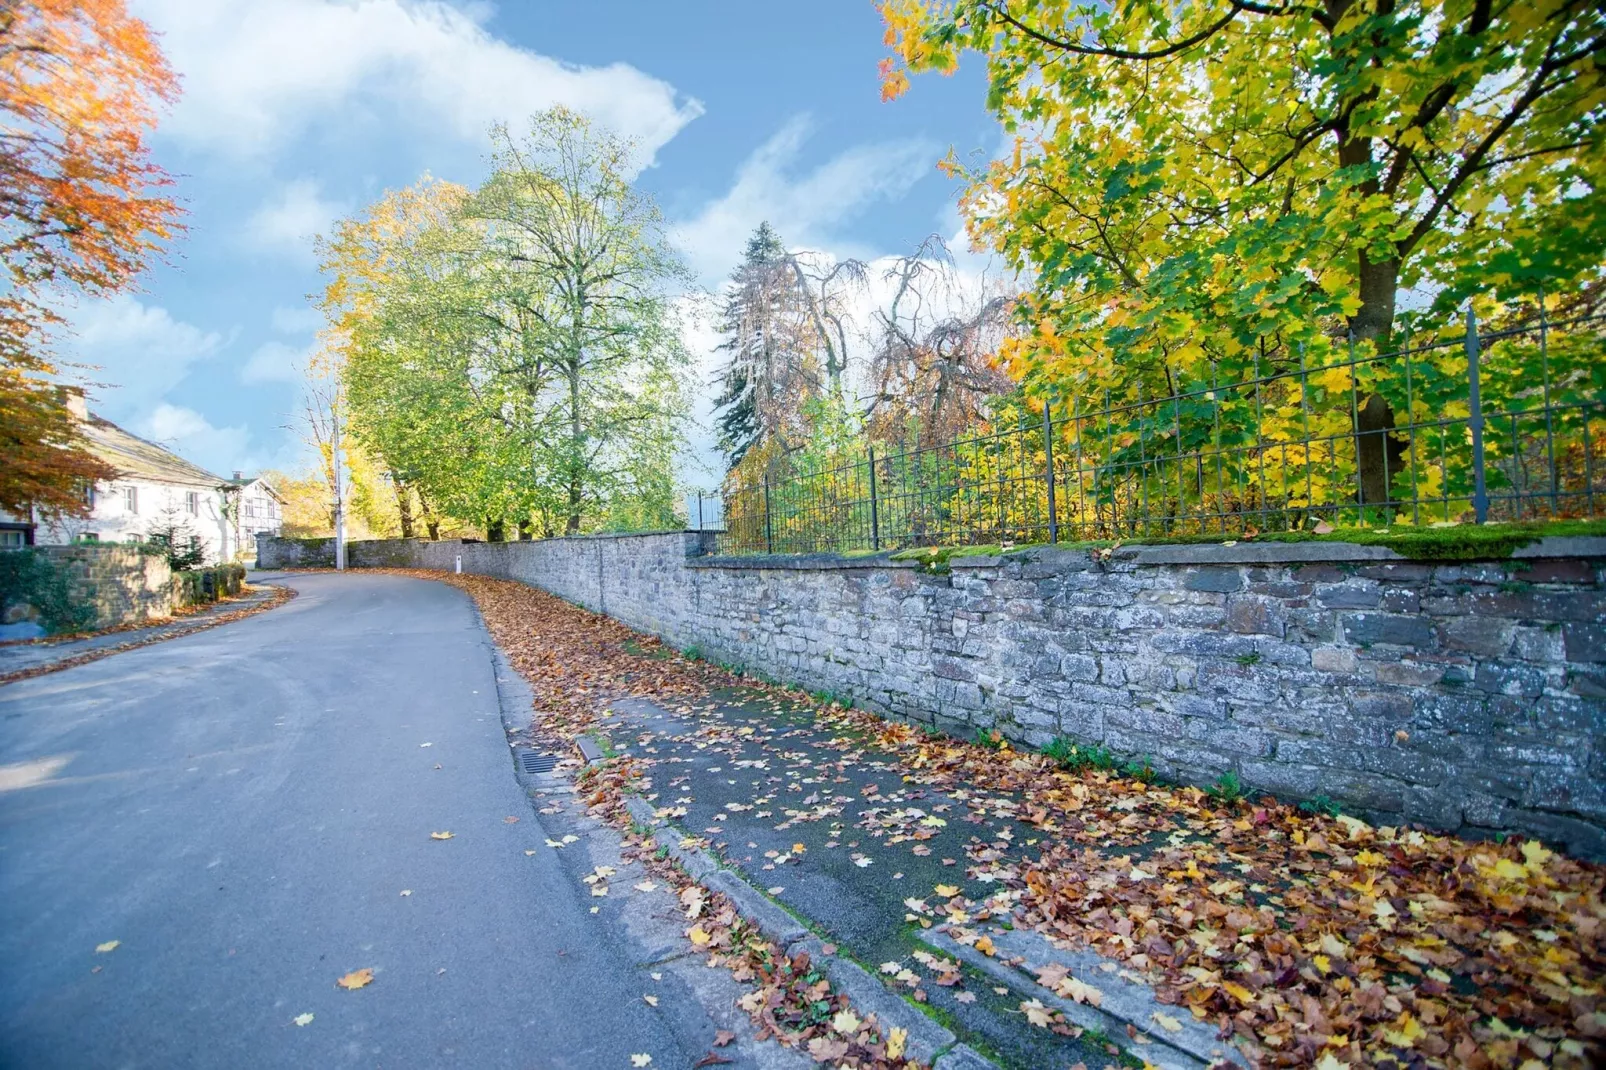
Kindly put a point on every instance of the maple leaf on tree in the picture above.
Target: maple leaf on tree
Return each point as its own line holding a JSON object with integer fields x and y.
{"x": 84, "y": 211}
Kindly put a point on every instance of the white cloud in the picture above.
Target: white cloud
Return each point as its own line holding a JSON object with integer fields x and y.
{"x": 190, "y": 435}
{"x": 256, "y": 72}
{"x": 288, "y": 221}
{"x": 137, "y": 352}
{"x": 275, "y": 362}
{"x": 805, "y": 208}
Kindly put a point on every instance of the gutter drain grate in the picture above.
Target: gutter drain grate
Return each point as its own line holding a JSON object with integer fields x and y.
{"x": 535, "y": 762}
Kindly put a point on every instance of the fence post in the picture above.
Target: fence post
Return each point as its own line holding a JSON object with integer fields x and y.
{"x": 875, "y": 513}
{"x": 1480, "y": 489}
{"x": 769, "y": 531}
{"x": 1048, "y": 454}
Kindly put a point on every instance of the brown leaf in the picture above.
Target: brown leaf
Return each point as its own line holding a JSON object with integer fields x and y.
{"x": 356, "y": 979}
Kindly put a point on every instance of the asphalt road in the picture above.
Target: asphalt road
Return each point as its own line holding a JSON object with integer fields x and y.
{"x": 244, "y": 808}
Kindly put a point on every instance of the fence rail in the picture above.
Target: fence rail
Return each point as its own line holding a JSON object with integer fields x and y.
{"x": 1482, "y": 425}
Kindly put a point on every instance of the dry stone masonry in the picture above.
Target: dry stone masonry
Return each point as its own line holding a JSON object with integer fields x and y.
{"x": 1465, "y": 697}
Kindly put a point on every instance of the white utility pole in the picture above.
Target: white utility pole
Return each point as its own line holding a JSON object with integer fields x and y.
{"x": 340, "y": 487}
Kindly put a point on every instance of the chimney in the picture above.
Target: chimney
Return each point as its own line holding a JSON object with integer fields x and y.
{"x": 239, "y": 476}
{"x": 73, "y": 396}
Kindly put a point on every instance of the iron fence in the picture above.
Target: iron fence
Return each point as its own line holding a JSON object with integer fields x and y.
{"x": 1476, "y": 426}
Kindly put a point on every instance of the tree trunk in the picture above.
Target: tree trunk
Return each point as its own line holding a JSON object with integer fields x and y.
{"x": 404, "y": 507}
{"x": 493, "y": 530}
{"x": 526, "y": 532}
{"x": 431, "y": 524}
{"x": 1378, "y": 454}
{"x": 576, "y": 448}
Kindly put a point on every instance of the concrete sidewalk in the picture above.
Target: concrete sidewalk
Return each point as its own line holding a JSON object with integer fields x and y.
{"x": 21, "y": 656}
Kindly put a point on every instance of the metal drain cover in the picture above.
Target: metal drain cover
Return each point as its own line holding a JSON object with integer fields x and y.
{"x": 535, "y": 762}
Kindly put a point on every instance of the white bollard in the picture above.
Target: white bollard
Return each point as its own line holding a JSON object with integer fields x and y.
{"x": 459, "y": 567}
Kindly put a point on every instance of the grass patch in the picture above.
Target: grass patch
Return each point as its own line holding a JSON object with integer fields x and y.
{"x": 1457, "y": 542}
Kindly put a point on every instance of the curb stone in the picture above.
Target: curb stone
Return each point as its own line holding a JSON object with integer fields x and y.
{"x": 869, "y": 996}
{"x": 1125, "y": 1004}
{"x": 964, "y": 1057}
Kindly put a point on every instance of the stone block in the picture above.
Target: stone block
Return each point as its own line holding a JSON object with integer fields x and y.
{"x": 1539, "y": 644}
{"x": 1334, "y": 659}
{"x": 1507, "y": 678}
{"x": 1488, "y": 637}
{"x": 1585, "y": 642}
{"x": 1391, "y": 628}
{"x": 1355, "y": 594}
{"x": 1556, "y": 571}
{"x": 1254, "y": 616}
{"x": 1218, "y": 580}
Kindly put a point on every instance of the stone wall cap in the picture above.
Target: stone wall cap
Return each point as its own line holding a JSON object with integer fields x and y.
{"x": 799, "y": 562}
{"x": 1564, "y": 546}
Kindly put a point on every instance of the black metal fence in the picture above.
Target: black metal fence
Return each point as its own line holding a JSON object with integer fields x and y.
{"x": 1476, "y": 426}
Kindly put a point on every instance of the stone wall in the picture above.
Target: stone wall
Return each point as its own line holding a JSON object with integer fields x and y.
{"x": 122, "y": 584}
{"x": 1459, "y": 696}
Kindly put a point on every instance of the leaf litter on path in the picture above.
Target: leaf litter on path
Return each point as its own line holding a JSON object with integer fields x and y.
{"x": 1353, "y": 942}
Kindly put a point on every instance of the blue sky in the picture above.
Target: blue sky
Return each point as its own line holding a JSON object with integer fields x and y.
{"x": 298, "y": 111}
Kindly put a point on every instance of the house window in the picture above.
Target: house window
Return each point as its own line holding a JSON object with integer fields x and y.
{"x": 132, "y": 537}
{"x": 89, "y": 495}
{"x": 192, "y": 503}
{"x": 89, "y": 536}
{"x": 13, "y": 537}
{"x": 131, "y": 499}
{"x": 250, "y": 507}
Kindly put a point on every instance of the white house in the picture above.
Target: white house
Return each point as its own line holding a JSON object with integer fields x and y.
{"x": 260, "y": 511}
{"x": 155, "y": 490}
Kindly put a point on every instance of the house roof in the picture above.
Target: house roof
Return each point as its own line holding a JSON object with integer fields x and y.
{"x": 136, "y": 458}
{"x": 246, "y": 481}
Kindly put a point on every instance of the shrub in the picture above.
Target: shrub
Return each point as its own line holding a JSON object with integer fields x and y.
{"x": 1227, "y": 789}
{"x": 30, "y": 578}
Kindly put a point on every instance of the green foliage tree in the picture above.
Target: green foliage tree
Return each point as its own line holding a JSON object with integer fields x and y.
{"x": 511, "y": 352}
{"x": 1206, "y": 190}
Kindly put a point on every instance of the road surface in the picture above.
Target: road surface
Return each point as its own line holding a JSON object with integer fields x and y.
{"x": 248, "y": 813}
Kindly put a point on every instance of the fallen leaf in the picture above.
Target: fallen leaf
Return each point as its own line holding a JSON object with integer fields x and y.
{"x": 1168, "y": 1023}
{"x": 699, "y": 935}
{"x": 985, "y": 945}
{"x": 845, "y": 1021}
{"x": 1037, "y": 1014}
{"x": 723, "y": 1037}
{"x": 302, "y": 1019}
{"x": 440, "y": 835}
{"x": 947, "y": 891}
{"x": 356, "y": 979}
{"x": 644, "y": 886}
{"x": 642, "y": 1059}
{"x": 896, "y": 1039}
{"x": 406, "y": 891}
{"x": 652, "y": 1001}
{"x": 109, "y": 945}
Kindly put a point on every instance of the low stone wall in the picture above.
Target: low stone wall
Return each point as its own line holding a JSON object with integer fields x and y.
{"x": 118, "y": 584}
{"x": 1459, "y": 696}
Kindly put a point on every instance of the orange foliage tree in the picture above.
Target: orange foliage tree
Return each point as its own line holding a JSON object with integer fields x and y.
{"x": 83, "y": 209}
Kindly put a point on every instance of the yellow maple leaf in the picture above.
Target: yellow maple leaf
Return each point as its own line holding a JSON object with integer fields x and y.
{"x": 356, "y": 979}
{"x": 109, "y": 945}
{"x": 1168, "y": 1023}
{"x": 1238, "y": 992}
{"x": 1037, "y": 1014}
{"x": 845, "y": 1021}
{"x": 440, "y": 835}
{"x": 985, "y": 945}
{"x": 947, "y": 891}
{"x": 698, "y": 935}
{"x": 896, "y": 1039}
